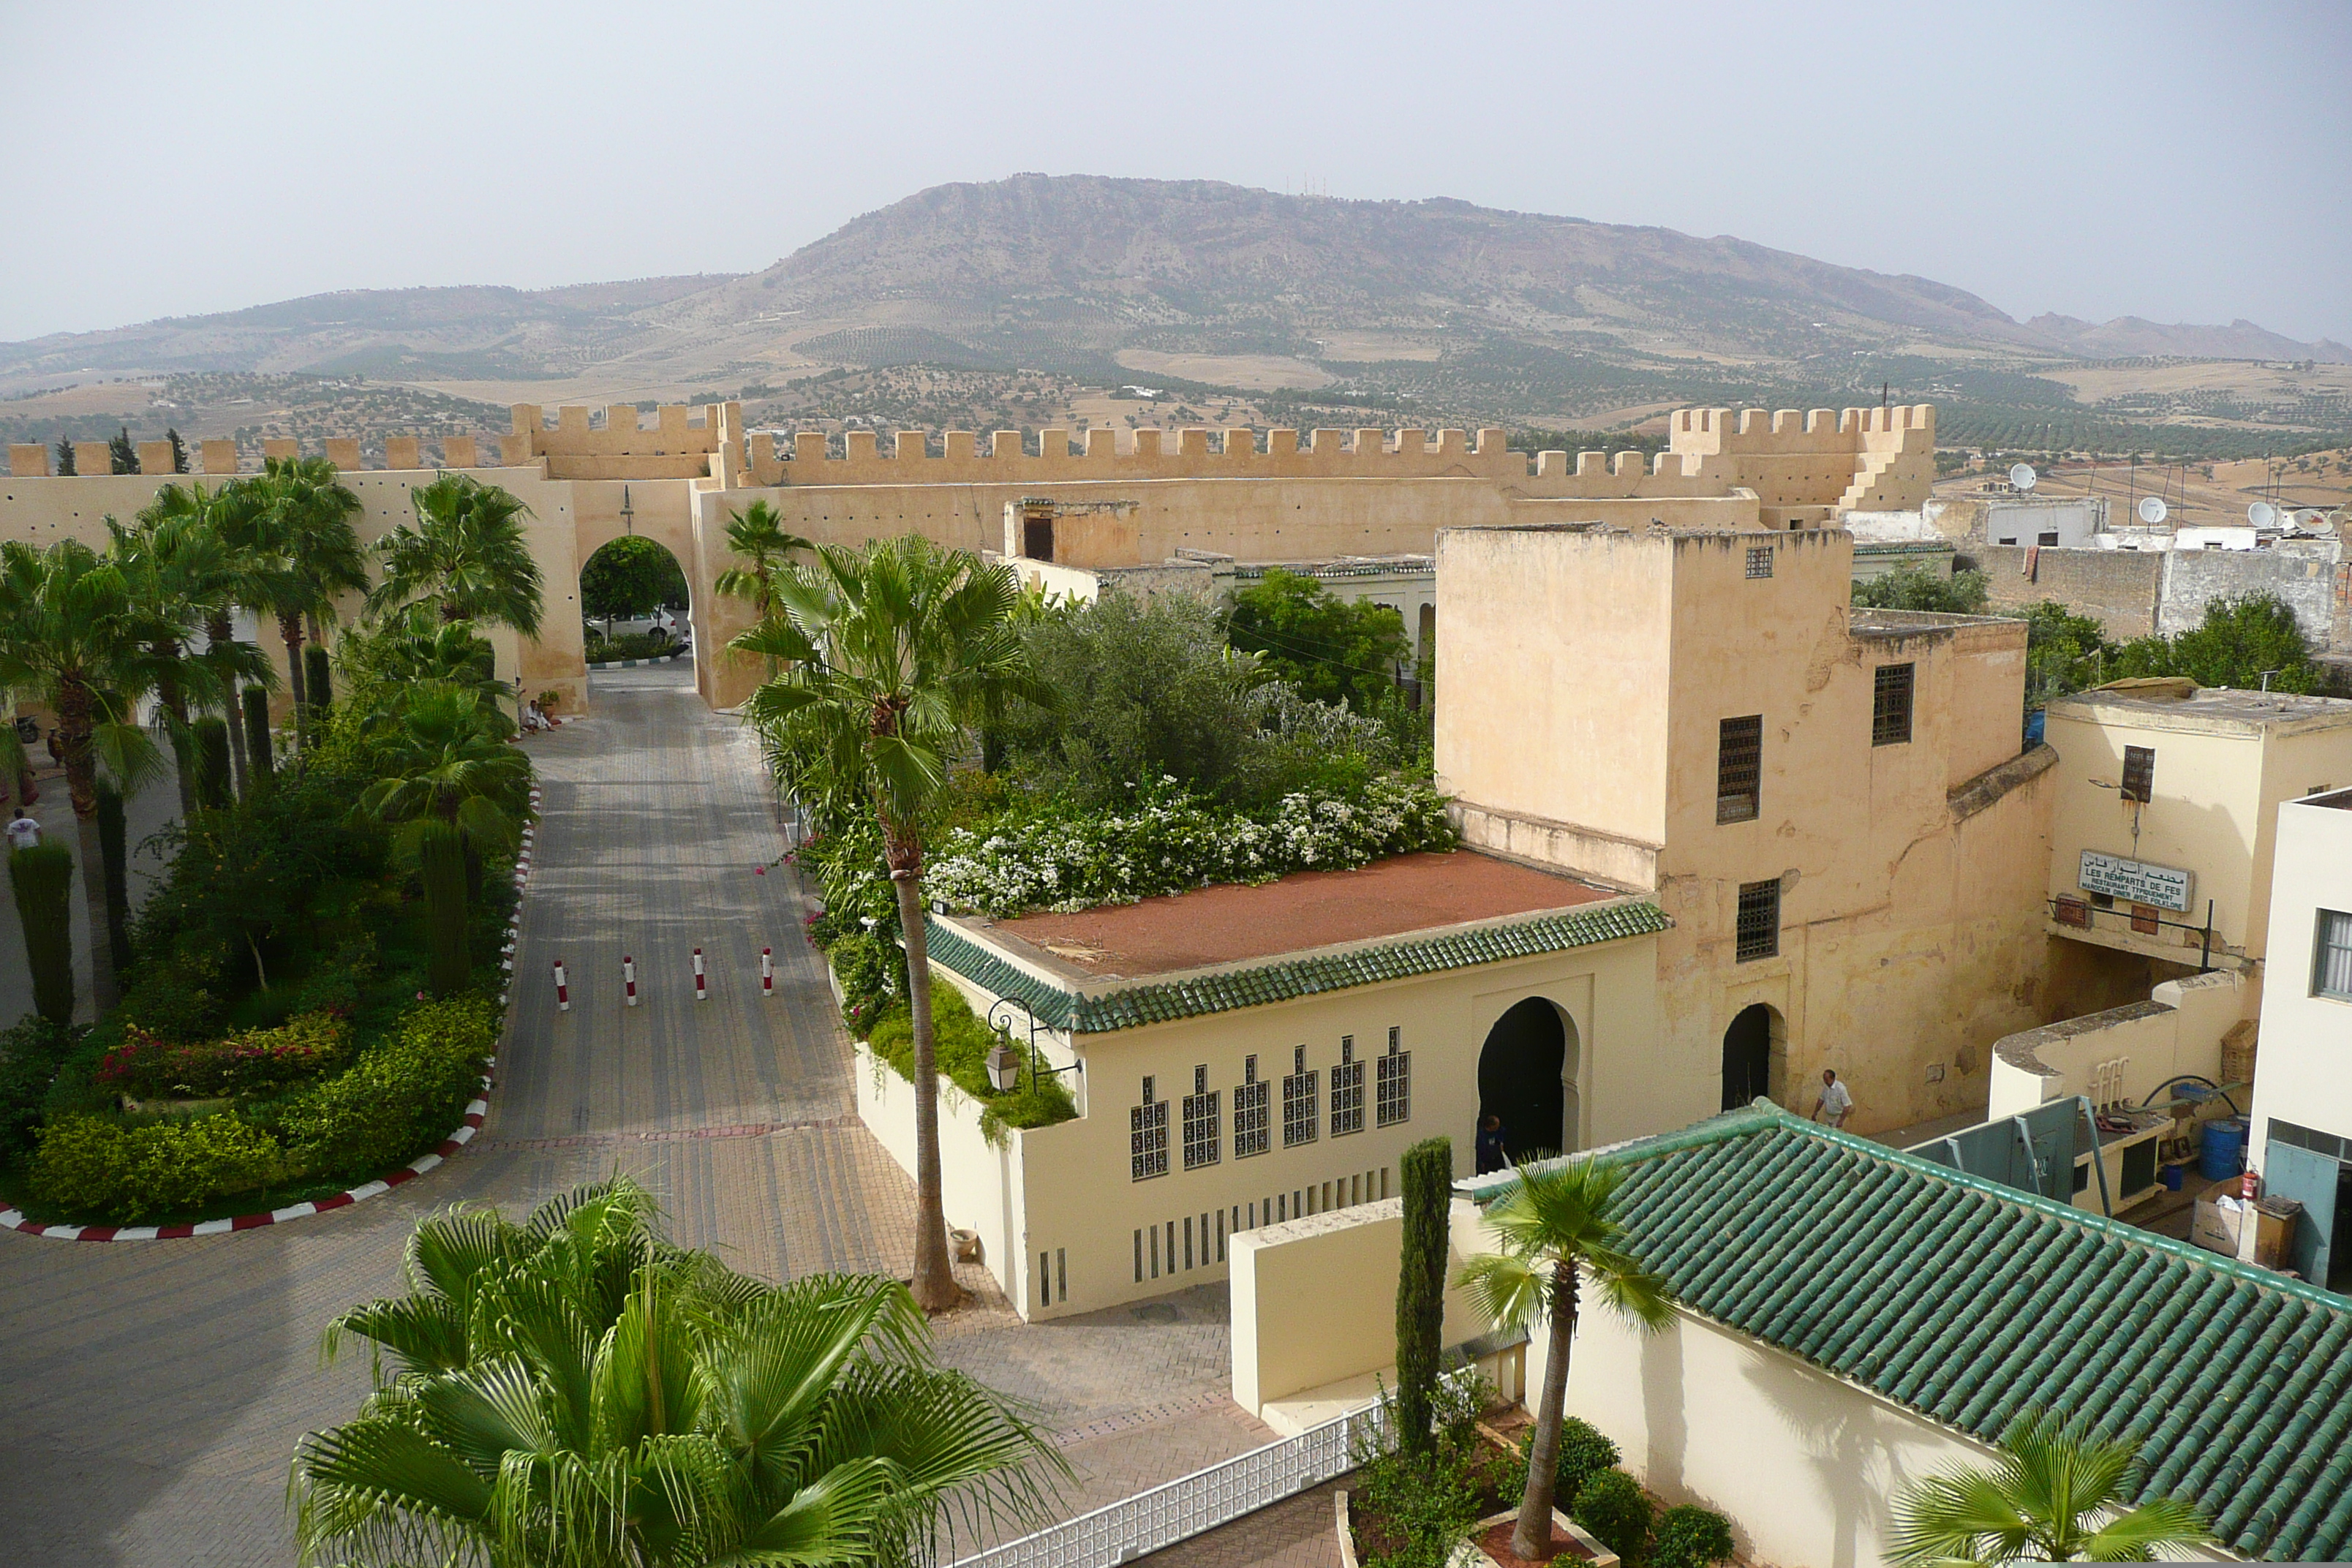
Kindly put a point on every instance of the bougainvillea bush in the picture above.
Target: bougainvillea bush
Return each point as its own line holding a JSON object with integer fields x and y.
{"x": 147, "y": 1066}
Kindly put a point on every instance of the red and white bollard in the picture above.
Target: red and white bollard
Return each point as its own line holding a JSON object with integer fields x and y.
{"x": 629, "y": 978}
{"x": 701, "y": 987}
{"x": 563, "y": 991}
{"x": 767, "y": 972}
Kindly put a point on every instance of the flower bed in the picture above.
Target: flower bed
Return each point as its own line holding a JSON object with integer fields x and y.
{"x": 147, "y": 1066}
{"x": 1070, "y": 861}
{"x": 960, "y": 1043}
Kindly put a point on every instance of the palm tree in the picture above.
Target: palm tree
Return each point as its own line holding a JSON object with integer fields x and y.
{"x": 756, "y": 536}
{"x": 69, "y": 634}
{"x": 423, "y": 650}
{"x": 577, "y": 1390}
{"x": 179, "y": 573}
{"x": 246, "y": 579}
{"x": 1556, "y": 1225}
{"x": 890, "y": 653}
{"x": 2056, "y": 1495}
{"x": 299, "y": 522}
{"x": 455, "y": 792}
{"x": 466, "y": 555}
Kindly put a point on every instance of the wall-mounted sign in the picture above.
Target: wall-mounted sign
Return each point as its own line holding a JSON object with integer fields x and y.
{"x": 2137, "y": 882}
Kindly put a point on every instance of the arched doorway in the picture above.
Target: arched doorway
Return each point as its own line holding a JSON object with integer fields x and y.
{"x": 1527, "y": 1071}
{"x": 632, "y": 593}
{"x": 1754, "y": 1049}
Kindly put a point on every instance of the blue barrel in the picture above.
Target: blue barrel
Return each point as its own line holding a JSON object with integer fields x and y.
{"x": 2222, "y": 1149}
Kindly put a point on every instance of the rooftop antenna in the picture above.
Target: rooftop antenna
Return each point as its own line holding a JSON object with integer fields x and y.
{"x": 1882, "y": 397}
{"x": 628, "y": 512}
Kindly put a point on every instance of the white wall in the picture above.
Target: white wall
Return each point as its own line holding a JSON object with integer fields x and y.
{"x": 2303, "y": 1067}
{"x": 2154, "y": 1046}
{"x": 980, "y": 1184}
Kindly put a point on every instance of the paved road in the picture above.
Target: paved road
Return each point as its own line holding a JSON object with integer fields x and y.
{"x": 154, "y": 1391}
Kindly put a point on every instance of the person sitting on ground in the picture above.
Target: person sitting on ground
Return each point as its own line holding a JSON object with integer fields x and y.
{"x": 23, "y": 833}
{"x": 1835, "y": 1102}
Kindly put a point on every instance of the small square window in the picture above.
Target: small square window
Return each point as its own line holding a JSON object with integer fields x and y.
{"x": 1759, "y": 560}
{"x": 2332, "y": 966}
{"x": 2047, "y": 539}
{"x": 1890, "y": 705}
{"x": 2139, "y": 773}
{"x": 1759, "y": 920}
{"x": 1738, "y": 768}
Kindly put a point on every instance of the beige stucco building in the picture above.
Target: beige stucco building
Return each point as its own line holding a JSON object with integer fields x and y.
{"x": 1832, "y": 806}
{"x": 1248, "y": 1054}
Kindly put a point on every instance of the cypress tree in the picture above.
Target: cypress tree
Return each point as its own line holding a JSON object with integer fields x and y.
{"x": 210, "y": 734}
{"x": 114, "y": 852}
{"x": 42, "y": 880}
{"x": 65, "y": 456}
{"x": 1428, "y": 1173}
{"x": 179, "y": 450}
{"x": 314, "y": 678}
{"x": 122, "y": 453}
{"x": 256, "y": 740}
{"x": 441, "y": 862}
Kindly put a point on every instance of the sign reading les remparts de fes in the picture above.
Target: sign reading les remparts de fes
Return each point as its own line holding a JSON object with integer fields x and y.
{"x": 2139, "y": 881}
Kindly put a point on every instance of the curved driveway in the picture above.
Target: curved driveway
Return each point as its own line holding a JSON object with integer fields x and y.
{"x": 151, "y": 1393}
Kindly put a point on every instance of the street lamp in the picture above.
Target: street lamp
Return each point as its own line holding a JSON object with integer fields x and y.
{"x": 1003, "y": 1061}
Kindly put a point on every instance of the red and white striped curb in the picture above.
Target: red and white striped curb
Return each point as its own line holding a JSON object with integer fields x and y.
{"x": 14, "y": 1219}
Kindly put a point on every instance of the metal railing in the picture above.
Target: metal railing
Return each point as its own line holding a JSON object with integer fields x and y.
{"x": 1188, "y": 1506}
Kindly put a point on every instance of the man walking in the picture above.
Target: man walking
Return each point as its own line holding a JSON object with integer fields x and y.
{"x": 1490, "y": 1149}
{"x": 22, "y": 831}
{"x": 1835, "y": 1102}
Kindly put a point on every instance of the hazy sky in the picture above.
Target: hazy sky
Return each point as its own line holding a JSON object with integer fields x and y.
{"x": 2181, "y": 162}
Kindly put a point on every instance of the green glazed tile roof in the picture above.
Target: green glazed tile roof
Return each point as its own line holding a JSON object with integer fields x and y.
{"x": 1967, "y": 1301}
{"x": 1160, "y": 1002}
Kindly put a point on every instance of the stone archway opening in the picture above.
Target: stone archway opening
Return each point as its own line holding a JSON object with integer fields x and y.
{"x": 1754, "y": 1056}
{"x": 1527, "y": 1073}
{"x": 634, "y": 594}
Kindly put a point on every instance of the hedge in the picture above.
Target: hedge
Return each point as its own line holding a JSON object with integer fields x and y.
{"x": 42, "y": 880}
{"x": 95, "y": 1164}
{"x": 402, "y": 1096}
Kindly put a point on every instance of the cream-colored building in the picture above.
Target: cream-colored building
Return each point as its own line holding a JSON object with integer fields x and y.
{"x": 1248, "y": 1054}
{"x": 1832, "y": 805}
{"x": 2301, "y": 1138}
{"x": 2163, "y": 815}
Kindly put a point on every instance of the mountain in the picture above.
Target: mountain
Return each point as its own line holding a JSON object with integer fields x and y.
{"x": 1428, "y": 309}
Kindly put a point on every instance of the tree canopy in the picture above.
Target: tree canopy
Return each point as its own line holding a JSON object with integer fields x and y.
{"x": 1332, "y": 650}
{"x": 1916, "y": 588}
{"x": 630, "y": 576}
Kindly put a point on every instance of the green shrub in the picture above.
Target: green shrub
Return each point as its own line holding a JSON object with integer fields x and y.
{"x": 961, "y": 1042}
{"x": 106, "y": 1169}
{"x": 259, "y": 772}
{"x": 1690, "y": 1537}
{"x": 30, "y": 1051}
{"x": 871, "y": 971}
{"x": 403, "y": 1096}
{"x": 1584, "y": 1453}
{"x": 42, "y": 880}
{"x": 1612, "y": 1506}
{"x": 633, "y": 645}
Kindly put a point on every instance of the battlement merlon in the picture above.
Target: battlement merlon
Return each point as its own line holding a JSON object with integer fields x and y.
{"x": 907, "y": 456}
{"x": 1724, "y": 432}
{"x": 680, "y": 430}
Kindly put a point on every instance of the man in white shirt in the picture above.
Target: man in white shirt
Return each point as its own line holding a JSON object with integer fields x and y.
{"x": 22, "y": 831}
{"x": 1834, "y": 1102}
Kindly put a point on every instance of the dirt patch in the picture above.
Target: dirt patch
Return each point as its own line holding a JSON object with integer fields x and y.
{"x": 1494, "y": 1540}
{"x": 1305, "y": 909}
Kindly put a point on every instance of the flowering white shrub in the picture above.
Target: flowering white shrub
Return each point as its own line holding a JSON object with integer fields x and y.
{"x": 1171, "y": 843}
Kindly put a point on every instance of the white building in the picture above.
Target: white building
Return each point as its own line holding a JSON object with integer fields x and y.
{"x": 2302, "y": 1132}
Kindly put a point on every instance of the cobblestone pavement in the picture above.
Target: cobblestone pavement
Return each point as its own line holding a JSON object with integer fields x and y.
{"x": 154, "y": 1391}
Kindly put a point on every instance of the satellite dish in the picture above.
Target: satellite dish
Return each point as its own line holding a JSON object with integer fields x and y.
{"x": 2262, "y": 514}
{"x": 2022, "y": 476}
{"x": 2310, "y": 517}
{"x": 2152, "y": 509}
